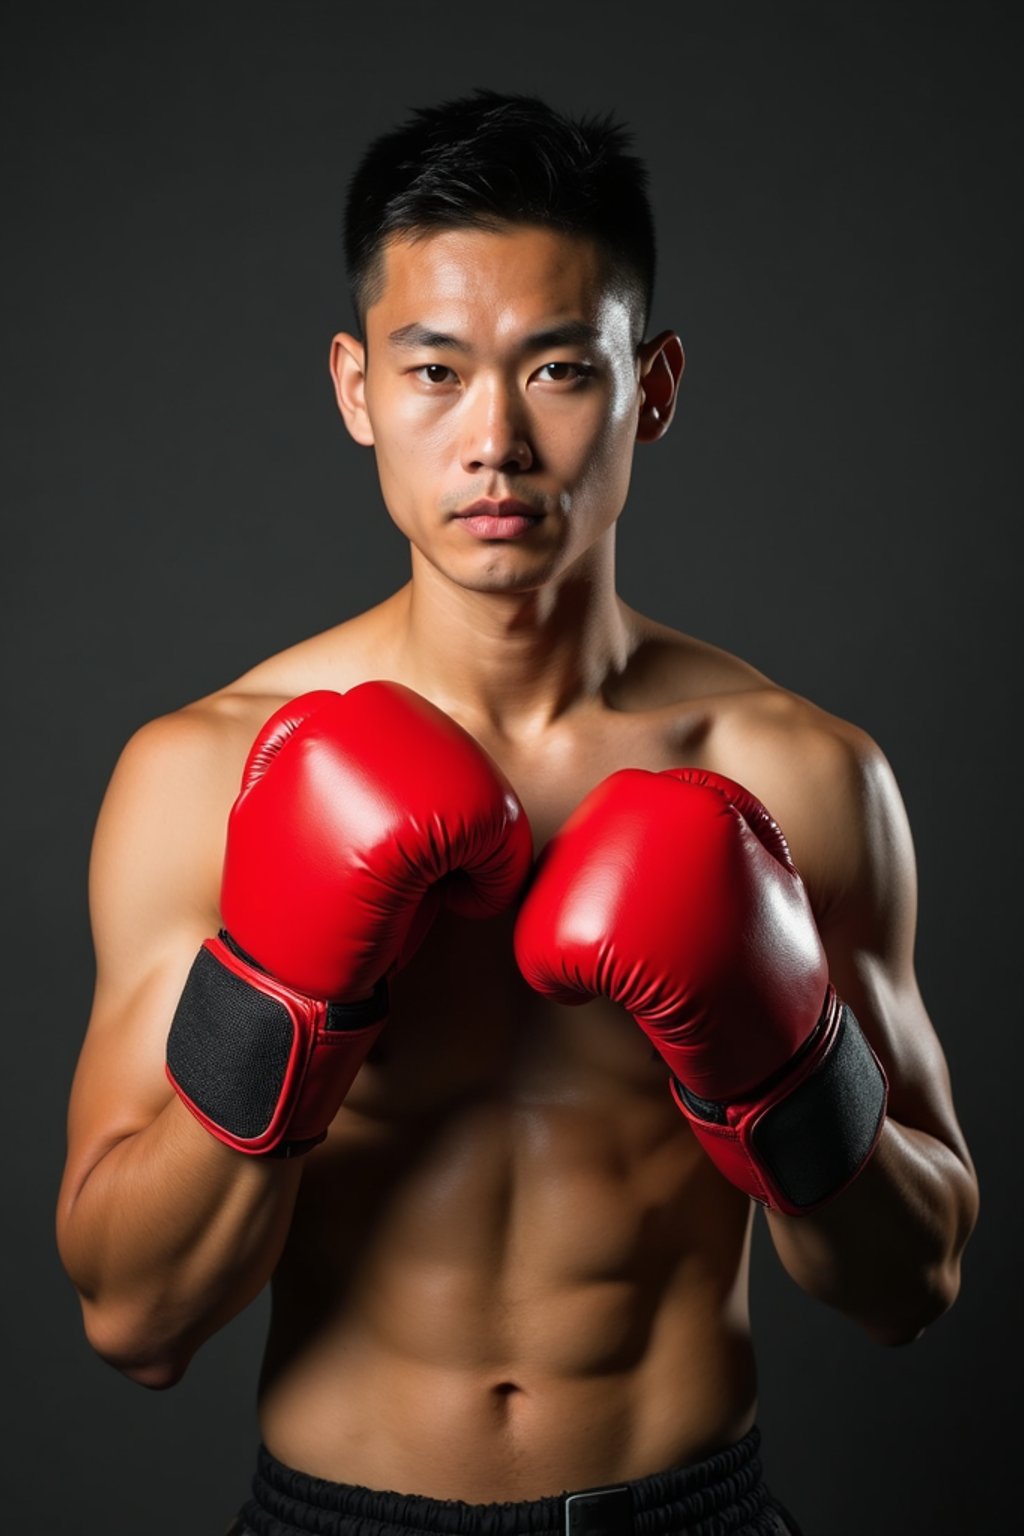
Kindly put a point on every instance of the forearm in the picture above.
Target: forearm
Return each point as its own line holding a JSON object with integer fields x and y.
{"x": 169, "y": 1236}
{"x": 886, "y": 1252}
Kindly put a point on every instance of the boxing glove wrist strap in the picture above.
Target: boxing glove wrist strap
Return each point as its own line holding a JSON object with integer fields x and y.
{"x": 262, "y": 1066}
{"x": 806, "y": 1133}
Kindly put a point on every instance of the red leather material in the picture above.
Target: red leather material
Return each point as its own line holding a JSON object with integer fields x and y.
{"x": 674, "y": 894}
{"x": 354, "y": 805}
{"x": 359, "y": 814}
{"x": 757, "y": 816}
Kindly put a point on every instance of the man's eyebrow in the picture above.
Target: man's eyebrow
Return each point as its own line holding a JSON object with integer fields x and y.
{"x": 570, "y": 333}
{"x": 416, "y": 335}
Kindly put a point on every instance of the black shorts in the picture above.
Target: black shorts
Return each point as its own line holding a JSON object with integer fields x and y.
{"x": 724, "y": 1495}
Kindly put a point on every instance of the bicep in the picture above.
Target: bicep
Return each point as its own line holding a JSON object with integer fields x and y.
{"x": 869, "y": 930}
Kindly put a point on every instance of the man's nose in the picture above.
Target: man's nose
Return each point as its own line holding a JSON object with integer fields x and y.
{"x": 496, "y": 433}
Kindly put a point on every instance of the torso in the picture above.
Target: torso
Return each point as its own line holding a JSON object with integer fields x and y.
{"x": 511, "y": 1270}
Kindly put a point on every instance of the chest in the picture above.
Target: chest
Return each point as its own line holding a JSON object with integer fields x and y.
{"x": 553, "y": 778}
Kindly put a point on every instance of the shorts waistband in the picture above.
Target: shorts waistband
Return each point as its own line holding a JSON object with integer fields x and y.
{"x": 722, "y": 1495}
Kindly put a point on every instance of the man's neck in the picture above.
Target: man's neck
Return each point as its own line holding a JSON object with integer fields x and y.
{"x": 514, "y": 662}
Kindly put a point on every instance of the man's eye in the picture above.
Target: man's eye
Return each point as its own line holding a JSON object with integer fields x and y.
{"x": 433, "y": 373}
{"x": 561, "y": 373}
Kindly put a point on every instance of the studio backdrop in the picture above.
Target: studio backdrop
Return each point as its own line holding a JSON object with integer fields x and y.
{"x": 836, "y": 501}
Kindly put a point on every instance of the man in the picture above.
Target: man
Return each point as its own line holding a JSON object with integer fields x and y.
{"x": 542, "y": 941}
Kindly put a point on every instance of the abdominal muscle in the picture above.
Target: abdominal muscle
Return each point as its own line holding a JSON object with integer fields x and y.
{"x": 511, "y": 1270}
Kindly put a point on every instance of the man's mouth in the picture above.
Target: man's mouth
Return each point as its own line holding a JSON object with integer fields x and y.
{"x": 504, "y": 519}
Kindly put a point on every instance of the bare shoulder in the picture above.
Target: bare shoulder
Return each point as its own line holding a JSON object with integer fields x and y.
{"x": 195, "y": 752}
{"x": 826, "y": 781}
{"x": 191, "y": 759}
{"x": 830, "y": 787}
{"x": 166, "y": 807}
{"x": 749, "y": 715}
{"x": 159, "y": 838}
{"x": 784, "y": 734}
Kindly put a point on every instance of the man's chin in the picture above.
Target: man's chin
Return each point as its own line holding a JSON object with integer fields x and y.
{"x": 497, "y": 586}
{"x": 499, "y": 576}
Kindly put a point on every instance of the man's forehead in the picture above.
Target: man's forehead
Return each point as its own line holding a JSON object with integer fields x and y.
{"x": 515, "y": 278}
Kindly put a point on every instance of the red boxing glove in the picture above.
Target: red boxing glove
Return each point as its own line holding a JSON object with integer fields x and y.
{"x": 353, "y": 807}
{"x": 675, "y": 895}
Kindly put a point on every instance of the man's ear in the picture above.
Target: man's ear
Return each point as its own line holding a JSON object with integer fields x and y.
{"x": 661, "y": 367}
{"x": 348, "y": 370}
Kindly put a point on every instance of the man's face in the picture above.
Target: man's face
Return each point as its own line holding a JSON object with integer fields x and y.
{"x": 499, "y": 369}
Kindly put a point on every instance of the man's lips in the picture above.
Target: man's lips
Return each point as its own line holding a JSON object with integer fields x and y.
{"x": 508, "y": 507}
{"x": 498, "y": 519}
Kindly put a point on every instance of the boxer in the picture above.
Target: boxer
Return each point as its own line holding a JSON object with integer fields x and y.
{"x": 473, "y": 972}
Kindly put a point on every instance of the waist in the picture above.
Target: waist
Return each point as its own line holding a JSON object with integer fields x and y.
{"x": 350, "y": 1411}
{"x": 725, "y": 1491}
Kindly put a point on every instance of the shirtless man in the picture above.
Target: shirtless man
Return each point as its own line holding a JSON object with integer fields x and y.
{"x": 513, "y": 1264}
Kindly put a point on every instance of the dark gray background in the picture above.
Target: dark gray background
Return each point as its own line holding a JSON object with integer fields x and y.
{"x": 836, "y": 190}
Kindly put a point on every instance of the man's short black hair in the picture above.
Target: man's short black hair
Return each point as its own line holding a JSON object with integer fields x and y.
{"x": 487, "y": 160}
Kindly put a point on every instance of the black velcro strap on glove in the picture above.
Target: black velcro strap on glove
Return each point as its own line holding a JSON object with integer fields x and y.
{"x": 804, "y": 1135}
{"x": 241, "y": 1048}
